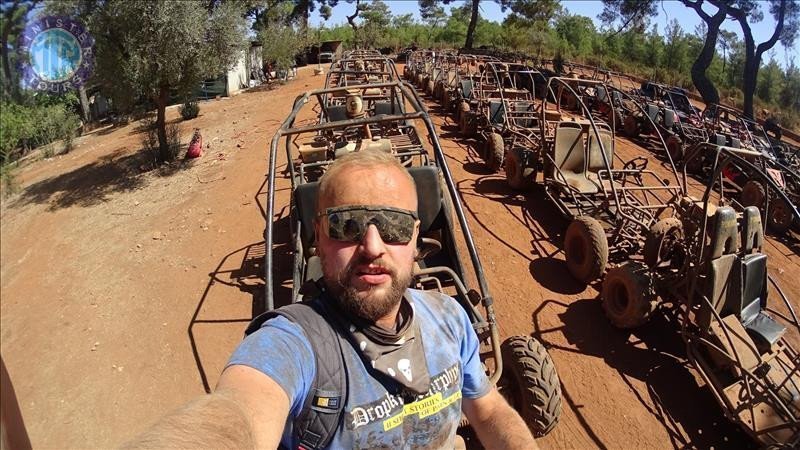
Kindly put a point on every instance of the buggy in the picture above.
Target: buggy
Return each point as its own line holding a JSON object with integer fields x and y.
{"x": 609, "y": 208}
{"x": 707, "y": 263}
{"x": 516, "y": 363}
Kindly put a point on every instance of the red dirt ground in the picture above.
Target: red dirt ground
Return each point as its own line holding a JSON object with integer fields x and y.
{"x": 124, "y": 292}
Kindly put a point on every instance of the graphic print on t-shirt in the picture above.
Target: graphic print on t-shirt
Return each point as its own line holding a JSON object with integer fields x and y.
{"x": 429, "y": 421}
{"x": 392, "y": 410}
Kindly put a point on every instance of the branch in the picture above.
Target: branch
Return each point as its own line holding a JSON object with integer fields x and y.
{"x": 624, "y": 25}
{"x": 766, "y": 45}
{"x": 697, "y": 6}
{"x": 351, "y": 19}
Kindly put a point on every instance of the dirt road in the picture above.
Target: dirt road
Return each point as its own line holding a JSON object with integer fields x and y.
{"x": 124, "y": 291}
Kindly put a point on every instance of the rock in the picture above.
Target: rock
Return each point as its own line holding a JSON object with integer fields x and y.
{"x": 157, "y": 236}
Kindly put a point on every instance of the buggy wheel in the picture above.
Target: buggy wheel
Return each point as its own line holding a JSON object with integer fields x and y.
{"x": 780, "y": 216}
{"x": 517, "y": 175}
{"x": 661, "y": 241}
{"x": 630, "y": 126}
{"x": 530, "y": 383}
{"x": 420, "y": 79}
{"x": 675, "y": 148}
{"x": 445, "y": 101}
{"x": 429, "y": 88}
{"x": 462, "y": 109}
{"x": 464, "y": 124}
{"x": 586, "y": 249}
{"x": 753, "y": 194}
{"x": 627, "y": 296}
{"x": 495, "y": 152}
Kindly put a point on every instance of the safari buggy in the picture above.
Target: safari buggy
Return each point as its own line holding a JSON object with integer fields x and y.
{"x": 733, "y": 132}
{"x": 508, "y": 115}
{"x": 737, "y": 324}
{"x": 457, "y": 88}
{"x": 520, "y": 366}
{"x": 354, "y": 68}
{"x": 610, "y": 208}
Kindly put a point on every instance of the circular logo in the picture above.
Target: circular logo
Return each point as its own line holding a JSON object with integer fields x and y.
{"x": 57, "y": 54}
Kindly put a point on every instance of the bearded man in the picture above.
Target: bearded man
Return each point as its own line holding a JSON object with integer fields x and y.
{"x": 411, "y": 357}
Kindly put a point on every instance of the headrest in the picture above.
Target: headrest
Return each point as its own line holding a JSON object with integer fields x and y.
{"x": 752, "y": 230}
{"x": 724, "y": 237}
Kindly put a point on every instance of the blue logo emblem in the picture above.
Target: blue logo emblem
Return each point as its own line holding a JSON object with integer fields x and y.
{"x": 58, "y": 54}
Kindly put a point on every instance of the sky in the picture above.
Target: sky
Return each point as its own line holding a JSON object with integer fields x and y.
{"x": 667, "y": 10}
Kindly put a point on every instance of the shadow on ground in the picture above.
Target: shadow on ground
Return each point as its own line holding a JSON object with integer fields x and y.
{"x": 243, "y": 270}
{"x": 96, "y": 182}
{"x": 654, "y": 355}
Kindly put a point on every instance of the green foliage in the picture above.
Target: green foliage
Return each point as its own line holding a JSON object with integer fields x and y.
{"x": 280, "y": 44}
{"x": 143, "y": 46}
{"x": 189, "y": 109}
{"x": 25, "y": 127}
{"x": 8, "y": 179}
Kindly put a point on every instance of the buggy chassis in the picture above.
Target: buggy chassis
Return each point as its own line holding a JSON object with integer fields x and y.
{"x": 731, "y": 335}
{"x": 610, "y": 209}
{"x": 441, "y": 268}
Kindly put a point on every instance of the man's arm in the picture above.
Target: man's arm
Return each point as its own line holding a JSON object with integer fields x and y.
{"x": 247, "y": 410}
{"x": 497, "y": 424}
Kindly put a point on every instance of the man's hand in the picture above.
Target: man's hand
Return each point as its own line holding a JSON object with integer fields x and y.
{"x": 497, "y": 424}
{"x": 247, "y": 410}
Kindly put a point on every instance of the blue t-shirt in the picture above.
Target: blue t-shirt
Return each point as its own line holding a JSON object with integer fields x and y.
{"x": 373, "y": 417}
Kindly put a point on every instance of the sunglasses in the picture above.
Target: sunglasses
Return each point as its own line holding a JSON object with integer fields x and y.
{"x": 349, "y": 223}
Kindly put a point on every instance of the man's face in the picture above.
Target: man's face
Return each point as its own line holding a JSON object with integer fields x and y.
{"x": 367, "y": 277}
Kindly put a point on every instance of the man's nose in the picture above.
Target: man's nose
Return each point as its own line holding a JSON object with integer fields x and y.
{"x": 372, "y": 244}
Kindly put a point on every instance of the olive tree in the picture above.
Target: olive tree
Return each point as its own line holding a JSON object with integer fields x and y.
{"x": 146, "y": 49}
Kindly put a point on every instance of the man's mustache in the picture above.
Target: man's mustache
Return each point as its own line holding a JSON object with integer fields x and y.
{"x": 351, "y": 269}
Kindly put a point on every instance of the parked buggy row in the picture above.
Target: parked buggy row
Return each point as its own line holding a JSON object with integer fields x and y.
{"x": 644, "y": 238}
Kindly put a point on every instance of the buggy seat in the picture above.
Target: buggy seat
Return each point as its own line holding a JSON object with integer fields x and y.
{"x": 578, "y": 164}
{"x": 736, "y": 287}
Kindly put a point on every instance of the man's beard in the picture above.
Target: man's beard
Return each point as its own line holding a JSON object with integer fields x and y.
{"x": 370, "y": 305}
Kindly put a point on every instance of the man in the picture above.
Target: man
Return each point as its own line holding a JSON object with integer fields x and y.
{"x": 423, "y": 369}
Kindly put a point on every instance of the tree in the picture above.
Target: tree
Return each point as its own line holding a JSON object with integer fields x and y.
{"x": 634, "y": 14}
{"x": 13, "y": 22}
{"x": 149, "y": 48}
{"x": 787, "y": 18}
{"x": 431, "y": 12}
{"x": 785, "y": 12}
{"x": 726, "y": 40}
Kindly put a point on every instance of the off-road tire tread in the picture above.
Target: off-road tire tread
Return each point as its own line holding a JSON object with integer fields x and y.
{"x": 524, "y": 175}
{"x": 653, "y": 238}
{"x": 495, "y": 152}
{"x": 598, "y": 251}
{"x": 540, "y": 389}
{"x": 640, "y": 314}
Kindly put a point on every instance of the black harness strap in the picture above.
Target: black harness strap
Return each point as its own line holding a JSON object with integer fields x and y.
{"x": 322, "y": 409}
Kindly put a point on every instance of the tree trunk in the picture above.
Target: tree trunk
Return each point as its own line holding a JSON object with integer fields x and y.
{"x": 84, "y": 101}
{"x": 473, "y": 22}
{"x": 161, "y": 124}
{"x": 699, "y": 77}
{"x": 752, "y": 59}
{"x": 750, "y": 78}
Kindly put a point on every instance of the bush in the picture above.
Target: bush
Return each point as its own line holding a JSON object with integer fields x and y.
{"x": 26, "y": 127}
{"x": 190, "y": 109}
{"x": 8, "y": 180}
{"x": 150, "y": 141}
